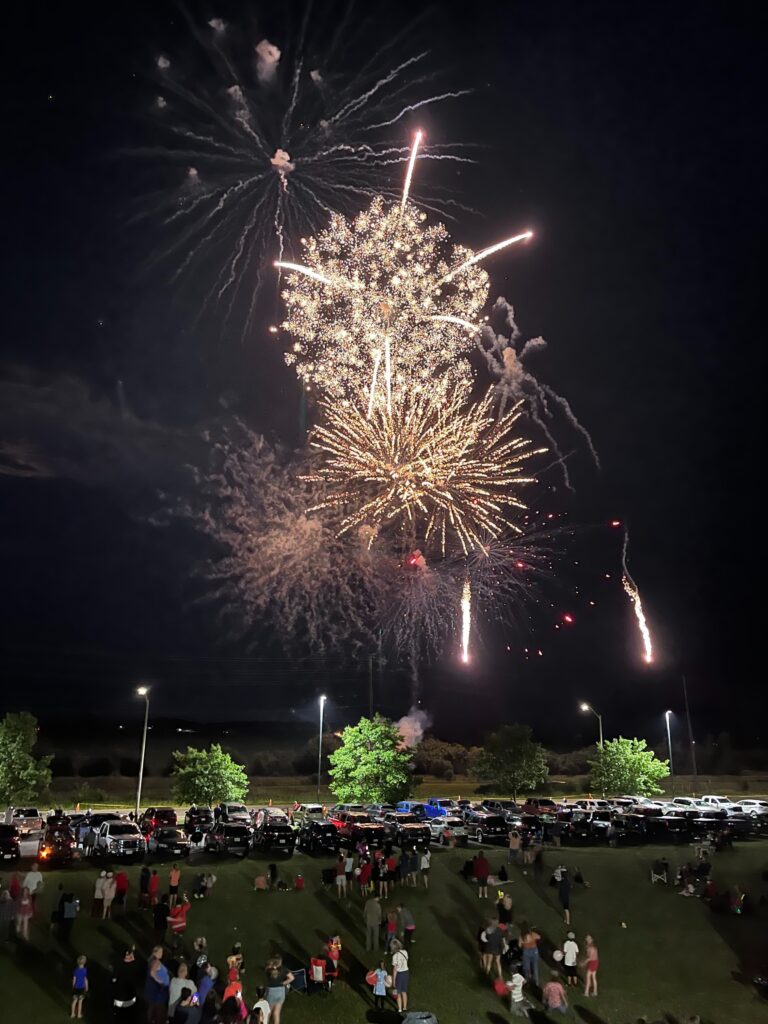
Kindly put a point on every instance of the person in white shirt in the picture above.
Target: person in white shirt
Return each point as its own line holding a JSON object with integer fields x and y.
{"x": 400, "y": 976}
{"x": 261, "y": 1005}
{"x": 33, "y": 880}
{"x": 426, "y": 860}
{"x": 570, "y": 957}
{"x": 180, "y": 982}
{"x": 519, "y": 1005}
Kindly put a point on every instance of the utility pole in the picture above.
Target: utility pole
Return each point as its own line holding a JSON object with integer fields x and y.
{"x": 691, "y": 740}
{"x": 370, "y": 686}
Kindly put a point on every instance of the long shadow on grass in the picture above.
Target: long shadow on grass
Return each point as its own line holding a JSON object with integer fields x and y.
{"x": 352, "y": 925}
{"x": 747, "y": 936}
{"x": 589, "y": 1016}
{"x": 453, "y": 928}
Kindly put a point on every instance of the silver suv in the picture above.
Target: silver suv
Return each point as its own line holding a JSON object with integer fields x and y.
{"x": 120, "y": 839}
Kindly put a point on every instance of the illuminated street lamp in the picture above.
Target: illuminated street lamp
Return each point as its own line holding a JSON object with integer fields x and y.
{"x": 142, "y": 691}
{"x": 588, "y": 707}
{"x": 320, "y": 747}
{"x": 667, "y": 715}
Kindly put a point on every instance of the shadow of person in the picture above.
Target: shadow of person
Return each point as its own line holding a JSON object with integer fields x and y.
{"x": 353, "y": 927}
{"x": 455, "y": 930}
{"x": 587, "y": 1015}
{"x": 385, "y": 1017}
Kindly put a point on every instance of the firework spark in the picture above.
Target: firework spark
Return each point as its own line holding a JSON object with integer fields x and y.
{"x": 267, "y": 148}
{"x": 632, "y": 592}
{"x": 436, "y": 466}
{"x": 466, "y": 619}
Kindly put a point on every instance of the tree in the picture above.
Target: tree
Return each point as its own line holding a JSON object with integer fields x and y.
{"x": 372, "y": 765}
{"x": 207, "y": 776}
{"x": 512, "y": 760}
{"x": 627, "y": 766}
{"x": 23, "y": 777}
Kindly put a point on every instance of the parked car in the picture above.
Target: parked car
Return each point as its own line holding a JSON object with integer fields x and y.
{"x": 120, "y": 839}
{"x": 539, "y": 805}
{"x": 172, "y": 842}
{"x": 591, "y": 805}
{"x": 587, "y": 826}
{"x": 232, "y": 813}
{"x": 157, "y": 817}
{"x": 687, "y": 802}
{"x": 228, "y": 837}
{"x": 338, "y": 808}
{"x": 485, "y": 827}
{"x": 438, "y": 806}
{"x": 719, "y": 803}
{"x": 273, "y": 831}
{"x": 27, "y": 820}
{"x": 755, "y": 808}
{"x": 10, "y": 843}
{"x": 197, "y": 819}
{"x": 405, "y": 830}
{"x": 447, "y": 828}
{"x": 502, "y": 807}
{"x": 627, "y": 829}
{"x": 378, "y": 811}
{"x": 417, "y": 809}
{"x": 308, "y": 811}
{"x": 318, "y": 837}
{"x": 672, "y": 828}
{"x": 57, "y": 846}
{"x": 354, "y": 826}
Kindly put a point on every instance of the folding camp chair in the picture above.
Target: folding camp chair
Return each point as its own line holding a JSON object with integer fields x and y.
{"x": 659, "y": 872}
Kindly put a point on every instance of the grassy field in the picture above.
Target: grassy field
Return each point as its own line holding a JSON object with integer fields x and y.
{"x": 674, "y": 958}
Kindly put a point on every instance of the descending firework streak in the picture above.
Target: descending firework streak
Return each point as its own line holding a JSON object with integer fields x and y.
{"x": 269, "y": 144}
{"x": 632, "y": 592}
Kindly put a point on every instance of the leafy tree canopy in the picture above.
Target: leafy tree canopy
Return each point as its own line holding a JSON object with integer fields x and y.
{"x": 627, "y": 766}
{"x": 205, "y": 777}
{"x": 372, "y": 765}
{"x": 512, "y": 760}
{"x": 23, "y": 777}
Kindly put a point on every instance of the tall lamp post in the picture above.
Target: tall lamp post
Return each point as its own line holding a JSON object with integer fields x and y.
{"x": 588, "y": 707}
{"x": 142, "y": 691}
{"x": 320, "y": 747}
{"x": 667, "y": 715}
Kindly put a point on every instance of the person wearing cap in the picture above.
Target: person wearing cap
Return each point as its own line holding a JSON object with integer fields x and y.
{"x": 570, "y": 958}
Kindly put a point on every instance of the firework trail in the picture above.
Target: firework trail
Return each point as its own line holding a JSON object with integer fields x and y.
{"x": 506, "y": 361}
{"x": 268, "y": 141}
{"x": 466, "y": 619}
{"x": 632, "y": 592}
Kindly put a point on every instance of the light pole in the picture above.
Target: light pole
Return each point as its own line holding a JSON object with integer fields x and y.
{"x": 669, "y": 744}
{"x": 588, "y": 707}
{"x": 142, "y": 691}
{"x": 320, "y": 747}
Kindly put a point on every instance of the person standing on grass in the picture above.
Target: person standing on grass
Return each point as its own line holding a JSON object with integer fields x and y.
{"x": 180, "y": 982}
{"x": 97, "y": 905}
{"x": 33, "y": 880}
{"x": 518, "y": 1004}
{"x": 564, "y": 895}
{"x": 156, "y": 988}
{"x": 400, "y": 976}
{"x": 124, "y": 987}
{"x": 79, "y": 987}
{"x": 383, "y": 878}
{"x": 278, "y": 977}
{"x": 341, "y": 876}
{"x": 529, "y": 943}
{"x": 481, "y": 869}
{"x": 174, "y": 877}
{"x": 494, "y": 947}
{"x": 504, "y": 911}
{"x": 160, "y": 918}
{"x": 406, "y": 924}
{"x": 349, "y": 867}
{"x": 69, "y": 910}
{"x": 153, "y": 888}
{"x": 121, "y": 890}
{"x": 513, "y": 855}
{"x": 426, "y": 863}
{"x": 391, "y": 930}
{"x": 590, "y": 963}
{"x": 365, "y": 877}
{"x": 553, "y": 995}
{"x": 110, "y": 888}
{"x": 177, "y": 922}
{"x": 372, "y": 916}
{"x": 24, "y": 910}
{"x": 260, "y": 1011}
{"x": 380, "y": 986}
{"x": 570, "y": 958}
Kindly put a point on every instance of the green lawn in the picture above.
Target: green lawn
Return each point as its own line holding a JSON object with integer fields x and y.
{"x": 674, "y": 957}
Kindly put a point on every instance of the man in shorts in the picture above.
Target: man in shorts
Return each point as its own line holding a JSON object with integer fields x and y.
{"x": 570, "y": 958}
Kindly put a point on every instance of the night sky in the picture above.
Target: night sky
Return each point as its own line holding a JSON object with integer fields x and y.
{"x": 630, "y": 137}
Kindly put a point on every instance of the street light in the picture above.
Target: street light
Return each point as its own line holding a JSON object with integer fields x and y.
{"x": 142, "y": 691}
{"x": 669, "y": 744}
{"x": 320, "y": 747}
{"x": 588, "y": 707}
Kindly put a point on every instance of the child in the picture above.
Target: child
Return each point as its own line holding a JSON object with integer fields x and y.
{"x": 79, "y": 987}
{"x": 380, "y": 986}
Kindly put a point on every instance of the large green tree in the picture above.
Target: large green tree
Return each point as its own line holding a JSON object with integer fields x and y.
{"x": 207, "y": 776}
{"x": 627, "y": 766}
{"x": 23, "y": 777}
{"x": 372, "y": 765}
{"x": 512, "y": 760}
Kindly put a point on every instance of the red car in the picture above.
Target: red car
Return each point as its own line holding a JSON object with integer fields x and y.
{"x": 540, "y": 805}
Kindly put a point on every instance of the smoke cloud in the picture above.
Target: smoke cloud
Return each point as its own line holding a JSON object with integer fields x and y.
{"x": 267, "y": 60}
{"x": 413, "y": 726}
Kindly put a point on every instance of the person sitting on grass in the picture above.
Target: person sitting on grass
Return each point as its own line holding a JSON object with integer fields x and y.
{"x": 553, "y": 995}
